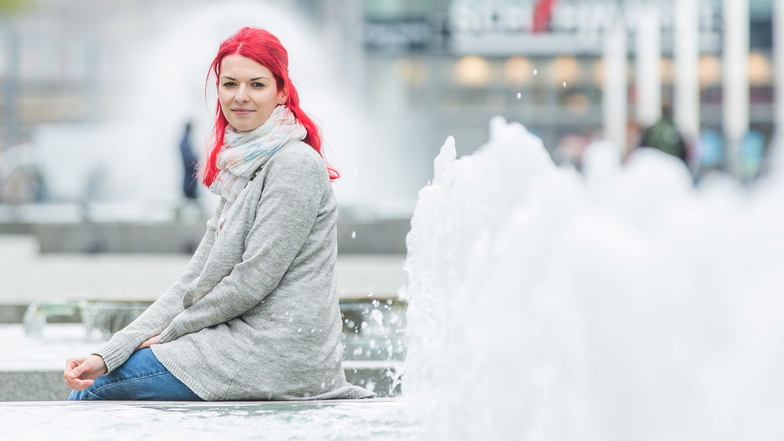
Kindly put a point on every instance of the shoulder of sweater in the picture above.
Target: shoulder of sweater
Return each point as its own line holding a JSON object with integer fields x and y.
{"x": 296, "y": 158}
{"x": 296, "y": 153}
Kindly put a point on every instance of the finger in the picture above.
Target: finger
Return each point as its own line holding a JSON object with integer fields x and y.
{"x": 70, "y": 365}
{"x": 77, "y": 371}
{"x": 77, "y": 384}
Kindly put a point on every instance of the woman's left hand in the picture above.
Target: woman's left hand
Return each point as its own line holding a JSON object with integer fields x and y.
{"x": 156, "y": 340}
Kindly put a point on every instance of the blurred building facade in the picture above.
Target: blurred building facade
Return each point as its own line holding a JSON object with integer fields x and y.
{"x": 542, "y": 63}
{"x": 422, "y": 70}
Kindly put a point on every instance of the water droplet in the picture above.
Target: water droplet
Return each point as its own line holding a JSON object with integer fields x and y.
{"x": 535, "y": 72}
{"x": 563, "y": 84}
{"x": 353, "y": 234}
{"x": 519, "y": 95}
{"x": 378, "y": 316}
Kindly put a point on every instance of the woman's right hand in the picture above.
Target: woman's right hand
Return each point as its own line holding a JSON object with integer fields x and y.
{"x": 80, "y": 372}
{"x": 154, "y": 340}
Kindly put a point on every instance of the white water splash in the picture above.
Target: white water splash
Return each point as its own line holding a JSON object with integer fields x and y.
{"x": 619, "y": 304}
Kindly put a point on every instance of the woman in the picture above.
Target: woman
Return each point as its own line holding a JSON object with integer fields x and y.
{"x": 255, "y": 315}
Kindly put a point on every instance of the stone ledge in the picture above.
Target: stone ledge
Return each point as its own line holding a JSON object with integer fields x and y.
{"x": 48, "y": 385}
{"x": 33, "y": 386}
{"x": 203, "y": 405}
{"x": 377, "y": 236}
{"x": 378, "y": 419}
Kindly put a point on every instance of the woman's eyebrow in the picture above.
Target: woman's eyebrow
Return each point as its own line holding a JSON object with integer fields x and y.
{"x": 252, "y": 79}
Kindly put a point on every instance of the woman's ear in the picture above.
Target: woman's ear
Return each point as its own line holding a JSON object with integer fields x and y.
{"x": 283, "y": 96}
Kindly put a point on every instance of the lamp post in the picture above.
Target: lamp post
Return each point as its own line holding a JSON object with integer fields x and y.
{"x": 686, "y": 109}
{"x": 647, "y": 61}
{"x": 10, "y": 86}
{"x": 778, "y": 60}
{"x": 735, "y": 111}
{"x": 615, "y": 95}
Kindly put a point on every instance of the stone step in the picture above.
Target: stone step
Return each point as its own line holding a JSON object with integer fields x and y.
{"x": 27, "y": 275}
{"x": 379, "y": 419}
{"x": 363, "y": 236}
{"x": 47, "y": 385}
{"x": 34, "y": 353}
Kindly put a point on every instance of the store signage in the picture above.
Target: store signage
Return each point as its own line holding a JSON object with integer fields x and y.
{"x": 495, "y": 27}
{"x": 583, "y": 17}
{"x": 397, "y": 36}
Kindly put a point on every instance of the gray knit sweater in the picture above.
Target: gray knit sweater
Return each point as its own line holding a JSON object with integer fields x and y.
{"x": 255, "y": 316}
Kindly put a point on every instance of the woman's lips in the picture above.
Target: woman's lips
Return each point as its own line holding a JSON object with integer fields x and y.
{"x": 242, "y": 111}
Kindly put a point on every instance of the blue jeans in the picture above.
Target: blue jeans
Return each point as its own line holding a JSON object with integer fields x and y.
{"x": 142, "y": 377}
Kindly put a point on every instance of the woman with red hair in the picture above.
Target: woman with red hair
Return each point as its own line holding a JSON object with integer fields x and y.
{"x": 255, "y": 316}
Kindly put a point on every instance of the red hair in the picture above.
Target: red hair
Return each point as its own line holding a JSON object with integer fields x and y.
{"x": 265, "y": 49}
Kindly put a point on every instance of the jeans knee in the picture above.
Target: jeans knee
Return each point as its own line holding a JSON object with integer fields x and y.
{"x": 76, "y": 395}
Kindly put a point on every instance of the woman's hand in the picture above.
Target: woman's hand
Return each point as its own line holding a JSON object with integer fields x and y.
{"x": 156, "y": 340}
{"x": 80, "y": 372}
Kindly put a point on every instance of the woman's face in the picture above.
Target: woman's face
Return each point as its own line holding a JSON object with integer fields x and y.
{"x": 248, "y": 92}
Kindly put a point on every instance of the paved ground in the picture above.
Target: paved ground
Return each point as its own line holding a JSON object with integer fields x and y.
{"x": 29, "y": 366}
{"x": 59, "y": 342}
{"x": 26, "y": 275}
{"x": 375, "y": 419}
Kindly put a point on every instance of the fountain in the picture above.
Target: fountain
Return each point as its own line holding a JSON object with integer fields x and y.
{"x": 620, "y": 304}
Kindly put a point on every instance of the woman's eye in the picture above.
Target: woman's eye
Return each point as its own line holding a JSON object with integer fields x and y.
{"x": 229, "y": 84}
{"x": 257, "y": 84}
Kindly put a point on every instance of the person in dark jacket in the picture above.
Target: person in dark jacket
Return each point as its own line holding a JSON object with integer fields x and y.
{"x": 663, "y": 135}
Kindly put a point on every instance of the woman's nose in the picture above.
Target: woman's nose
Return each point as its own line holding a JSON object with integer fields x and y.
{"x": 241, "y": 96}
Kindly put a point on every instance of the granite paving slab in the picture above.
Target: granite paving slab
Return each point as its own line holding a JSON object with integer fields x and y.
{"x": 373, "y": 419}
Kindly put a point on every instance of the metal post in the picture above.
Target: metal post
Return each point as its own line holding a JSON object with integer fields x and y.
{"x": 736, "y": 78}
{"x": 647, "y": 62}
{"x": 686, "y": 52}
{"x": 778, "y": 60}
{"x": 11, "y": 90}
{"x": 614, "y": 100}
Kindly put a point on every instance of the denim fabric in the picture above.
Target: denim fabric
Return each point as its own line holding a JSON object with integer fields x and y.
{"x": 142, "y": 377}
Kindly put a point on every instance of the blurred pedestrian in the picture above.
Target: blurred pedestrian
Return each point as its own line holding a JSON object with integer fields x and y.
{"x": 255, "y": 316}
{"x": 664, "y": 135}
{"x": 190, "y": 163}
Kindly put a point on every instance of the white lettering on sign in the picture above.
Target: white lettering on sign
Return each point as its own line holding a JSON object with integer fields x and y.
{"x": 491, "y": 16}
{"x": 582, "y": 17}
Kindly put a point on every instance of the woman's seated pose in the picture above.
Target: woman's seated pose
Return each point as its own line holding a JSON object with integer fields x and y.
{"x": 255, "y": 316}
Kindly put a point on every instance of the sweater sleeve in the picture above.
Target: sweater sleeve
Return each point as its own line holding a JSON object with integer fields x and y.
{"x": 155, "y": 318}
{"x": 285, "y": 215}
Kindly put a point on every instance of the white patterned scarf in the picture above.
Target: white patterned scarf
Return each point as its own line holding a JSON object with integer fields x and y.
{"x": 244, "y": 153}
